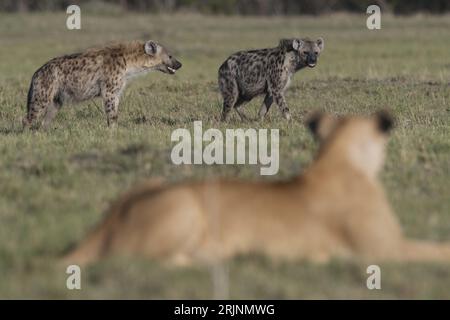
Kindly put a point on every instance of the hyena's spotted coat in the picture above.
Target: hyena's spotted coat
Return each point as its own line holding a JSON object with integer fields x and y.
{"x": 101, "y": 72}
{"x": 247, "y": 74}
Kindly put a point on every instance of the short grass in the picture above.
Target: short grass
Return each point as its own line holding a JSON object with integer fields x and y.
{"x": 55, "y": 185}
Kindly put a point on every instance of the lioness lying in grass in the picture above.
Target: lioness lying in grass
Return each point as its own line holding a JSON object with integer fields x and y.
{"x": 336, "y": 208}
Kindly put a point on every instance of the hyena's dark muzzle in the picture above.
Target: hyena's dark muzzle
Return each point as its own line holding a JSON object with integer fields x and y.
{"x": 173, "y": 66}
{"x": 311, "y": 60}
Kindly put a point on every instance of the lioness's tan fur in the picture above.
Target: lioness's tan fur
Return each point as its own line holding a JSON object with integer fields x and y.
{"x": 336, "y": 208}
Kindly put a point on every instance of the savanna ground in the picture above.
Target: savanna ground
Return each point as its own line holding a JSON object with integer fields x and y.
{"x": 55, "y": 185}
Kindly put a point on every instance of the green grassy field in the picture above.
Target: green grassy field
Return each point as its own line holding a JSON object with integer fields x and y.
{"x": 55, "y": 185}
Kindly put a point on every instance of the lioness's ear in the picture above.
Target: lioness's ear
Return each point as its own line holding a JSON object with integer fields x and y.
{"x": 151, "y": 47}
{"x": 385, "y": 121}
{"x": 320, "y": 43}
{"x": 320, "y": 124}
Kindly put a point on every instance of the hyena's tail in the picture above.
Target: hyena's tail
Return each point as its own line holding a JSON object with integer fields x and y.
{"x": 26, "y": 121}
{"x": 30, "y": 95}
{"x": 98, "y": 243}
{"x": 425, "y": 251}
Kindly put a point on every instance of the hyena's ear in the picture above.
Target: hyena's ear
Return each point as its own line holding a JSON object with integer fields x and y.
{"x": 321, "y": 124}
{"x": 320, "y": 43}
{"x": 297, "y": 44}
{"x": 290, "y": 44}
{"x": 151, "y": 47}
{"x": 385, "y": 121}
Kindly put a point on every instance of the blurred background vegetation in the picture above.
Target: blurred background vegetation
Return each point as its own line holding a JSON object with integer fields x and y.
{"x": 241, "y": 7}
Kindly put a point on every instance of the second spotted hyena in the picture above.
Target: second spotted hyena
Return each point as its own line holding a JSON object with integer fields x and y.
{"x": 247, "y": 74}
{"x": 101, "y": 72}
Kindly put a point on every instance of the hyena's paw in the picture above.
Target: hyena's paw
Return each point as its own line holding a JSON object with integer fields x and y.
{"x": 112, "y": 125}
{"x": 225, "y": 116}
{"x": 243, "y": 116}
{"x": 262, "y": 114}
{"x": 26, "y": 123}
{"x": 112, "y": 121}
{"x": 286, "y": 114}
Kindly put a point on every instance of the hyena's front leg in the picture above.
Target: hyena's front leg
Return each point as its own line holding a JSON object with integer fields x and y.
{"x": 111, "y": 97}
{"x": 111, "y": 105}
{"x": 276, "y": 88}
{"x": 281, "y": 102}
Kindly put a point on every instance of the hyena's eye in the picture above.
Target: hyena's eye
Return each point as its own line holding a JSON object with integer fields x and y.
{"x": 305, "y": 53}
{"x": 316, "y": 52}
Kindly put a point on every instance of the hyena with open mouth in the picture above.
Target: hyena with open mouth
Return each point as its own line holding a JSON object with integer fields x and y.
{"x": 101, "y": 72}
{"x": 247, "y": 74}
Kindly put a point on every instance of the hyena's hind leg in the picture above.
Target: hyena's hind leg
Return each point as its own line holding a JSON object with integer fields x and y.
{"x": 229, "y": 90}
{"x": 35, "y": 106}
{"x": 41, "y": 95}
{"x": 238, "y": 106}
{"x": 50, "y": 113}
{"x": 268, "y": 101}
{"x": 32, "y": 113}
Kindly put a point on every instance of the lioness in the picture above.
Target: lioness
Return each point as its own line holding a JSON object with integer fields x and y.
{"x": 337, "y": 207}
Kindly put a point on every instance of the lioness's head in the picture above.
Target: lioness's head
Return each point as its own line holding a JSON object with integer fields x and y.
{"x": 359, "y": 139}
{"x": 307, "y": 50}
{"x": 165, "y": 61}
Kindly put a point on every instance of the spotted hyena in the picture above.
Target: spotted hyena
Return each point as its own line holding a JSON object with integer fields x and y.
{"x": 101, "y": 72}
{"x": 247, "y": 74}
